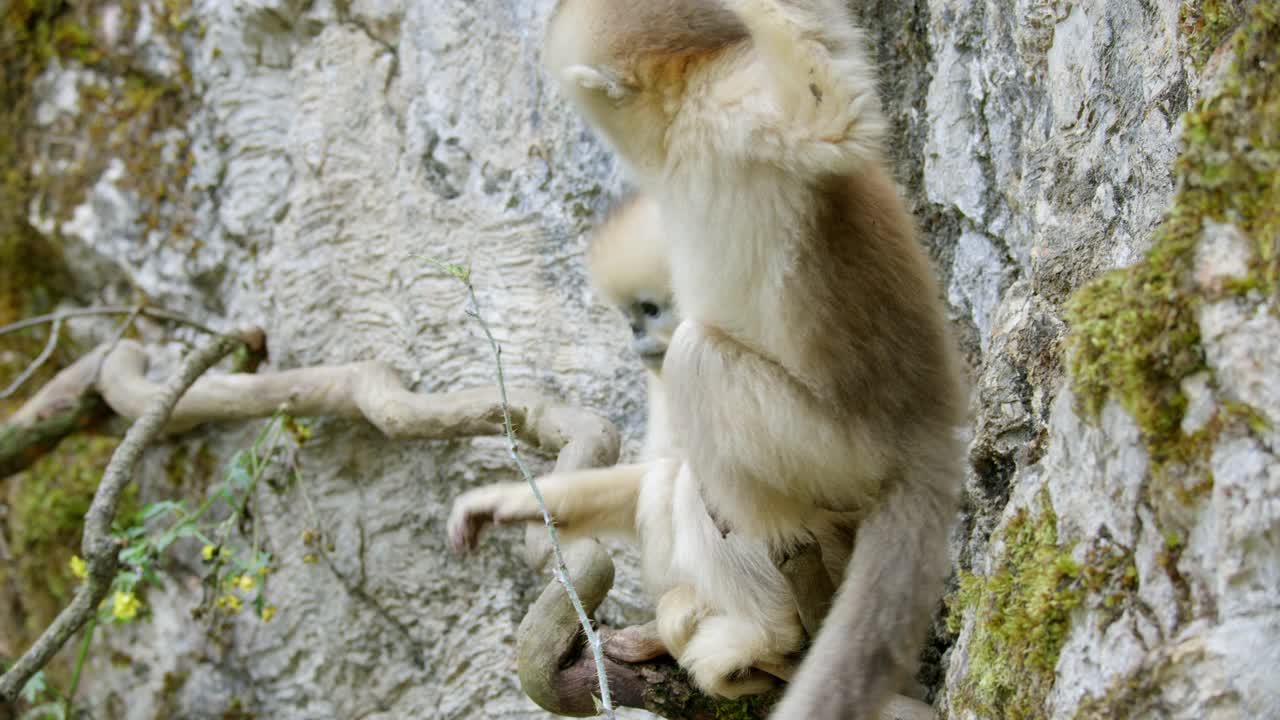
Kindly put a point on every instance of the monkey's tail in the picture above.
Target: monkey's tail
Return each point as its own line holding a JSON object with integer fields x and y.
{"x": 871, "y": 638}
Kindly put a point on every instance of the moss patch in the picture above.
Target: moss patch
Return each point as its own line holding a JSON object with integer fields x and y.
{"x": 125, "y": 113}
{"x": 1206, "y": 24}
{"x": 1134, "y": 334}
{"x": 1021, "y": 617}
{"x": 32, "y": 278}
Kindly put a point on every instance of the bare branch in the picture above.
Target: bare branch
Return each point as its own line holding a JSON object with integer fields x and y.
{"x": 21, "y": 444}
{"x": 369, "y": 391}
{"x": 153, "y": 313}
{"x": 97, "y": 545}
{"x": 36, "y": 364}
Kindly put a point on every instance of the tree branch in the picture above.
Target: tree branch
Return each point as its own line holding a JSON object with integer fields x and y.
{"x": 153, "y": 313}
{"x": 35, "y": 365}
{"x": 369, "y": 391}
{"x": 98, "y": 547}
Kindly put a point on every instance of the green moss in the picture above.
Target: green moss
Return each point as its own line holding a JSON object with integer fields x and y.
{"x": 1205, "y": 24}
{"x": 1134, "y": 334}
{"x": 1021, "y": 617}
{"x": 670, "y": 694}
{"x": 745, "y": 708}
{"x": 1110, "y": 579}
{"x": 31, "y": 278}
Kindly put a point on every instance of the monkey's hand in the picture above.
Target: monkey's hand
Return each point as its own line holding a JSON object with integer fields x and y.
{"x": 597, "y": 80}
{"x": 476, "y": 509}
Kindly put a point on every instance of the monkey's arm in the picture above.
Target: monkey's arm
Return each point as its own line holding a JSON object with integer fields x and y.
{"x": 742, "y": 415}
{"x": 824, "y": 112}
{"x": 583, "y": 502}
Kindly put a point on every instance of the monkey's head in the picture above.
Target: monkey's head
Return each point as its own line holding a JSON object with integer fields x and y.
{"x": 627, "y": 262}
{"x": 617, "y": 61}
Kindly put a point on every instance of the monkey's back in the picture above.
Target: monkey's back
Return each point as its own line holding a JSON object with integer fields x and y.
{"x": 875, "y": 335}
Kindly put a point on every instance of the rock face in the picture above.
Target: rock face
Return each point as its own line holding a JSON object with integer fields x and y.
{"x": 337, "y": 147}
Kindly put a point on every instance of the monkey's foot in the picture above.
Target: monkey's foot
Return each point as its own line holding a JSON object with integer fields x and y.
{"x": 635, "y": 644}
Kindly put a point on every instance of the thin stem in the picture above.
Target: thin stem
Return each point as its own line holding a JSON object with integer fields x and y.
{"x": 559, "y": 569}
{"x": 153, "y": 313}
{"x": 37, "y": 363}
{"x": 80, "y": 660}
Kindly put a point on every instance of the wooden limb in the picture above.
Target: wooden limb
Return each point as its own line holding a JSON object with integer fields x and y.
{"x": 21, "y": 444}
{"x": 369, "y": 391}
{"x": 98, "y": 547}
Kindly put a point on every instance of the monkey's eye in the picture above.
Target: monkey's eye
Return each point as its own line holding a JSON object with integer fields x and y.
{"x": 650, "y": 309}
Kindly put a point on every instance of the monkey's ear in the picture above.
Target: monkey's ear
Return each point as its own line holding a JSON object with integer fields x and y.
{"x": 596, "y": 79}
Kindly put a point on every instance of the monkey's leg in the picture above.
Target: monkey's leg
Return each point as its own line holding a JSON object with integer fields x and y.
{"x": 873, "y": 634}
{"x": 783, "y": 671}
{"x": 677, "y": 617}
{"x": 727, "y": 656}
{"x": 583, "y": 502}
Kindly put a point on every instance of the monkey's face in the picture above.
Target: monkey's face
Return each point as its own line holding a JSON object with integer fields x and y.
{"x": 653, "y": 320}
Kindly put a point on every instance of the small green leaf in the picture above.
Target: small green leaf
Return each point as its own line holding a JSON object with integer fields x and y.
{"x": 155, "y": 509}
{"x": 34, "y": 688}
{"x": 47, "y": 711}
{"x": 239, "y": 475}
{"x": 135, "y": 554}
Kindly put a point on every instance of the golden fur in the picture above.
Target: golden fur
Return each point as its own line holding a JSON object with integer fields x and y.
{"x": 813, "y": 375}
{"x": 724, "y": 611}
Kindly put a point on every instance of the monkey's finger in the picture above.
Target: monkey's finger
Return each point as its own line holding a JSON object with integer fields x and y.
{"x": 464, "y": 530}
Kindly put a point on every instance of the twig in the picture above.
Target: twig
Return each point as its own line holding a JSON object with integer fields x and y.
{"x": 115, "y": 340}
{"x": 97, "y": 546}
{"x": 559, "y": 569}
{"x": 153, "y": 313}
{"x": 37, "y": 363}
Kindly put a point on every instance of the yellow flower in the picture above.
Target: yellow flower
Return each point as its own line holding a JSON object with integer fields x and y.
{"x": 309, "y": 559}
{"x": 124, "y": 606}
{"x": 264, "y": 570}
{"x": 230, "y": 603}
{"x": 78, "y": 567}
{"x": 245, "y": 582}
{"x": 207, "y": 552}
{"x": 268, "y": 612}
{"x": 224, "y": 553}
